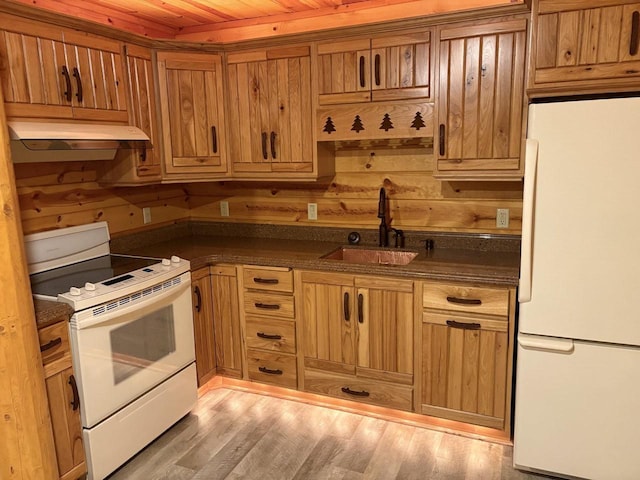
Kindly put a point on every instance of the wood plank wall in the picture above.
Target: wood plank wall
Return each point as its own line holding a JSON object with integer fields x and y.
{"x": 63, "y": 194}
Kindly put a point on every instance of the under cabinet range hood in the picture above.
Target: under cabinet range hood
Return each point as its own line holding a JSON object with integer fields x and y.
{"x": 58, "y": 142}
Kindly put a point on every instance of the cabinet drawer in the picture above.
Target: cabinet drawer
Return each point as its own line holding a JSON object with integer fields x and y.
{"x": 463, "y": 298}
{"x": 265, "y": 278}
{"x": 276, "y": 368}
{"x": 353, "y": 388}
{"x": 264, "y": 303}
{"x": 271, "y": 334}
{"x": 54, "y": 342}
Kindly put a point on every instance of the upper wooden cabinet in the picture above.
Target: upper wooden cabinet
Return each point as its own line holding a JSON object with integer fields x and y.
{"x": 49, "y": 72}
{"x": 383, "y": 68}
{"x": 589, "y": 46}
{"x": 193, "y": 117}
{"x": 270, "y": 113}
{"x": 480, "y": 100}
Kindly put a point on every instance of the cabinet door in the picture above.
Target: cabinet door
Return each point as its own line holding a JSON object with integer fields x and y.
{"x": 226, "y": 320}
{"x": 191, "y": 100}
{"x": 64, "y": 407}
{"x": 385, "y": 328}
{"x": 328, "y": 321}
{"x": 480, "y": 100}
{"x": 344, "y": 71}
{"x": 270, "y": 110}
{"x": 464, "y": 362}
{"x": 586, "y": 45}
{"x": 203, "y": 329}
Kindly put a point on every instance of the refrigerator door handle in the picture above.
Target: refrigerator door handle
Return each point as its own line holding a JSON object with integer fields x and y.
{"x": 536, "y": 342}
{"x": 530, "y": 170}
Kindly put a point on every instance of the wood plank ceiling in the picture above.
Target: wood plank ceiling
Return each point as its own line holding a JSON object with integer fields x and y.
{"x": 235, "y": 20}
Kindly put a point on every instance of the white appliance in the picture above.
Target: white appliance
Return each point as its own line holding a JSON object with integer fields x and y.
{"x": 577, "y": 402}
{"x": 131, "y": 338}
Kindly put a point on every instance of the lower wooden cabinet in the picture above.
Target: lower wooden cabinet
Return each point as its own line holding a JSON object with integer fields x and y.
{"x": 203, "y": 329}
{"x": 226, "y": 320}
{"x": 275, "y": 368}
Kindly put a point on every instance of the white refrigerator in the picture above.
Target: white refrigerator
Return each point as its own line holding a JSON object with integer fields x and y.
{"x": 577, "y": 400}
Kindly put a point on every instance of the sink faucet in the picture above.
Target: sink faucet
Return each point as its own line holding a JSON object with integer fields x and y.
{"x": 382, "y": 215}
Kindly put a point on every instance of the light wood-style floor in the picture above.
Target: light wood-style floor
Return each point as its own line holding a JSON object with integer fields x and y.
{"x": 239, "y": 435}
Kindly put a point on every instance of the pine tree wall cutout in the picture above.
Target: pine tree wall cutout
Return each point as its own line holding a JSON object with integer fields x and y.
{"x": 386, "y": 124}
{"x": 357, "y": 124}
{"x": 418, "y": 122}
{"x": 329, "y": 126}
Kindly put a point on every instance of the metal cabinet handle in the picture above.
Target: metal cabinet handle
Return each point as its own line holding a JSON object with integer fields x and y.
{"x": 76, "y": 75}
{"x": 464, "y": 301}
{"x": 67, "y": 81}
{"x": 267, "y": 306}
{"x": 441, "y": 139}
{"x": 376, "y": 69}
{"x": 273, "y": 145}
{"x": 362, "y": 71}
{"x": 75, "y": 403}
{"x": 347, "y": 312}
{"x": 635, "y": 31}
{"x": 355, "y": 393}
{"x": 214, "y": 139}
{"x": 267, "y": 336}
{"x": 268, "y": 281}
{"x": 143, "y": 154}
{"x": 360, "y": 308}
{"x": 196, "y": 290}
{"x": 264, "y": 145}
{"x": 463, "y": 325}
{"x": 53, "y": 343}
{"x": 269, "y": 371}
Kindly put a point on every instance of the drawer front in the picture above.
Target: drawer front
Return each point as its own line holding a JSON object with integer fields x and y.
{"x": 275, "y": 368}
{"x": 359, "y": 390}
{"x": 263, "y": 278}
{"x": 264, "y": 303}
{"x": 271, "y": 334}
{"x": 462, "y": 298}
{"x": 54, "y": 342}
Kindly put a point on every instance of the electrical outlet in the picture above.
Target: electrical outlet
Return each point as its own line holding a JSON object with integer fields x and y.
{"x": 224, "y": 209}
{"x": 312, "y": 211}
{"x": 146, "y": 215}
{"x": 502, "y": 218}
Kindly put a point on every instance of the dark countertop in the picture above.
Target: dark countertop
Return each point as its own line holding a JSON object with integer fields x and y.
{"x": 49, "y": 312}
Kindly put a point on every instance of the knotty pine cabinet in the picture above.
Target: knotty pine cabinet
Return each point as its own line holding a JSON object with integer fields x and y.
{"x": 193, "y": 116}
{"x": 270, "y": 113}
{"x": 480, "y": 100}
{"x": 52, "y": 72}
{"x": 203, "y": 325}
{"x": 64, "y": 401}
{"x": 589, "y": 46}
{"x": 467, "y": 353}
{"x": 357, "y": 337}
{"x": 226, "y": 320}
{"x": 381, "y": 68}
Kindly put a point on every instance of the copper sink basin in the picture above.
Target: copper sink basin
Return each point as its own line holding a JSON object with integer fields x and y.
{"x": 372, "y": 255}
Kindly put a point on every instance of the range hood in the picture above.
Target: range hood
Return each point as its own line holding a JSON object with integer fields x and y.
{"x": 63, "y": 142}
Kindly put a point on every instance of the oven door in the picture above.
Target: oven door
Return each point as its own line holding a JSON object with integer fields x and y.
{"x": 122, "y": 349}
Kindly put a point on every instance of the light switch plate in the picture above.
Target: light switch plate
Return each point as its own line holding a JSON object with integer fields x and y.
{"x": 224, "y": 208}
{"x": 312, "y": 211}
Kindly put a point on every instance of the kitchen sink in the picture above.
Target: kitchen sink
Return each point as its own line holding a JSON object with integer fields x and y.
{"x": 371, "y": 255}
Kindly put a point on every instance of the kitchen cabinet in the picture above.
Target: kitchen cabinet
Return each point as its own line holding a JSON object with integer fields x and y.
{"x": 381, "y": 68}
{"x": 137, "y": 167}
{"x": 357, "y": 336}
{"x": 589, "y": 46}
{"x": 467, "y": 352}
{"x": 64, "y": 401}
{"x": 480, "y": 101}
{"x": 193, "y": 116}
{"x": 203, "y": 325}
{"x": 270, "y": 113}
{"x": 51, "y": 72}
{"x": 269, "y": 325}
{"x": 226, "y": 320}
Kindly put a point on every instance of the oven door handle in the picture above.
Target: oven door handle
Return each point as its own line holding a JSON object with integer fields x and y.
{"x": 122, "y": 315}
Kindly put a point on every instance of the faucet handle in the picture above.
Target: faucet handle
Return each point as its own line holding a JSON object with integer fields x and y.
{"x": 399, "y": 236}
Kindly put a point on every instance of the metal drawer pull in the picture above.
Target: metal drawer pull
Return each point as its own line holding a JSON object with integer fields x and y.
{"x": 67, "y": 81}
{"x": 76, "y": 75}
{"x": 377, "y": 69}
{"x": 442, "y": 139}
{"x": 268, "y": 281}
{"x": 214, "y": 139}
{"x": 362, "y": 71}
{"x": 269, "y": 371}
{"x": 267, "y": 306}
{"x": 273, "y": 145}
{"x": 75, "y": 403}
{"x": 264, "y": 145}
{"x": 360, "y": 308}
{"x": 464, "y": 301}
{"x": 266, "y": 336}
{"x": 355, "y": 393}
{"x": 635, "y": 27}
{"x": 347, "y": 312}
{"x": 53, "y": 343}
{"x": 196, "y": 290}
{"x": 463, "y": 325}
